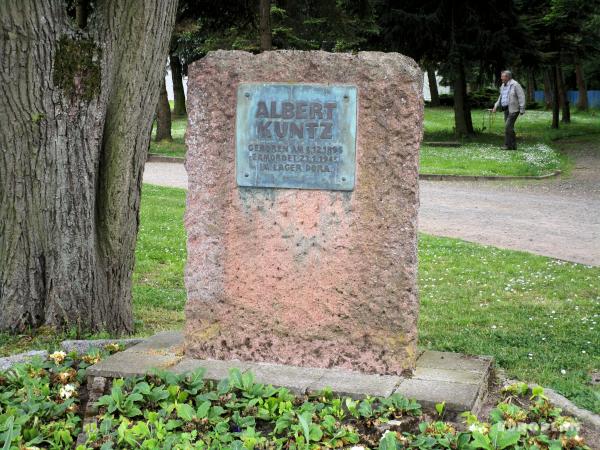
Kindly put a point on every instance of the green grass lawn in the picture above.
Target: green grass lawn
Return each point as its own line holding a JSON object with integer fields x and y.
{"x": 176, "y": 147}
{"x": 532, "y": 128}
{"x": 486, "y": 159}
{"x": 537, "y": 316}
{"x": 479, "y": 155}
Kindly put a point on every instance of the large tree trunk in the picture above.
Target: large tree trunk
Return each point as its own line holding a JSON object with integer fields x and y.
{"x": 462, "y": 111}
{"x": 81, "y": 13}
{"x": 163, "y": 115}
{"x": 548, "y": 87}
{"x": 178, "y": 92}
{"x": 530, "y": 86}
{"x": 76, "y": 109}
{"x": 433, "y": 87}
{"x": 562, "y": 93}
{"x": 582, "y": 101}
{"x": 555, "y": 97}
{"x": 265, "y": 25}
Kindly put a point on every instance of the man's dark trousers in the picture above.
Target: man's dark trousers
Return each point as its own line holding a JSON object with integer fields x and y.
{"x": 510, "y": 138}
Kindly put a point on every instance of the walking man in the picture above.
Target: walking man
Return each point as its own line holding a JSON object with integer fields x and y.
{"x": 512, "y": 102}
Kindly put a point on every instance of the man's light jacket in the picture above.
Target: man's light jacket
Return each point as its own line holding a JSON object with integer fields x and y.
{"x": 516, "y": 97}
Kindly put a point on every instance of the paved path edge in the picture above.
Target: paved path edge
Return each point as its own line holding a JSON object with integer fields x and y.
{"x": 449, "y": 177}
{"x": 460, "y": 380}
{"x": 152, "y": 157}
{"x": 422, "y": 176}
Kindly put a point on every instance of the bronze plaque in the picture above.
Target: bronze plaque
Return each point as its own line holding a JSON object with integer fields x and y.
{"x": 300, "y": 136}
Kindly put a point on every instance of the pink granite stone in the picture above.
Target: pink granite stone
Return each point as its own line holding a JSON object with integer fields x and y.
{"x": 305, "y": 277}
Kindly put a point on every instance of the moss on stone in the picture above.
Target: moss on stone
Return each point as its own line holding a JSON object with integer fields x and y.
{"x": 77, "y": 67}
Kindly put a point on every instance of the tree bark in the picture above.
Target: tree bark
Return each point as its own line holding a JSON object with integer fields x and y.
{"x": 530, "y": 86}
{"x": 582, "y": 101}
{"x": 163, "y": 115}
{"x": 548, "y": 87}
{"x": 265, "y": 25}
{"x": 75, "y": 118}
{"x": 562, "y": 92}
{"x": 462, "y": 111}
{"x": 555, "y": 97}
{"x": 433, "y": 87}
{"x": 178, "y": 92}
{"x": 81, "y": 13}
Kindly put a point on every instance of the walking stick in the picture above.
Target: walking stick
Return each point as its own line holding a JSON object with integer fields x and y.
{"x": 491, "y": 115}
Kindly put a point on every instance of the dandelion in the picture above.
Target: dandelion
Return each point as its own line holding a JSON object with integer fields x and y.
{"x": 57, "y": 357}
{"x": 494, "y": 327}
{"x": 563, "y": 371}
{"x": 67, "y": 391}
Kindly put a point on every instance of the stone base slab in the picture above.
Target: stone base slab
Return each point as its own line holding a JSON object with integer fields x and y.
{"x": 459, "y": 380}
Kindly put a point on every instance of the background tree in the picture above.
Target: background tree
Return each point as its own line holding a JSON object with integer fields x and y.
{"x": 176, "y": 67}
{"x": 265, "y": 25}
{"x": 561, "y": 31}
{"x": 459, "y": 35}
{"x": 433, "y": 86}
{"x": 163, "y": 115}
{"x": 73, "y": 150}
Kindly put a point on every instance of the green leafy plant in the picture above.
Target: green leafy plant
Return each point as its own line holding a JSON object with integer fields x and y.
{"x": 38, "y": 408}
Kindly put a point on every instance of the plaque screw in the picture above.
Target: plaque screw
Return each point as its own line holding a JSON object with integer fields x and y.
{"x": 346, "y": 97}
{"x": 247, "y": 94}
{"x": 246, "y": 175}
{"x": 343, "y": 178}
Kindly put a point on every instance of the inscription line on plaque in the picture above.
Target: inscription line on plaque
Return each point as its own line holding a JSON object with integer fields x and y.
{"x": 299, "y": 136}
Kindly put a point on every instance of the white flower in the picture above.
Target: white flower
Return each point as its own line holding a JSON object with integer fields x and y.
{"x": 568, "y": 425}
{"x": 357, "y": 447}
{"x": 563, "y": 371}
{"x": 57, "y": 357}
{"x": 67, "y": 391}
{"x": 478, "y": 428}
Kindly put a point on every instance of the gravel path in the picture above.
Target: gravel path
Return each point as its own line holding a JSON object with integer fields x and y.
{"x": 559, "y": 218}
{"x": 166, "y": 174}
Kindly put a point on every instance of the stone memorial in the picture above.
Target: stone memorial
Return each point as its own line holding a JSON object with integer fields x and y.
{"x": 302, "y": 209}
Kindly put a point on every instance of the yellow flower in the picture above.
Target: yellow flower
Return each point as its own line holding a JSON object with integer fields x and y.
{"x": 112, "y": 347}
{"x": 57, "y": 357}
{"x": 91, "y": 359}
